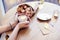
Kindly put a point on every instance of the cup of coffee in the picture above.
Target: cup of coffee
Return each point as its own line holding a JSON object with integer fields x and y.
{"x": 22, "y": 18}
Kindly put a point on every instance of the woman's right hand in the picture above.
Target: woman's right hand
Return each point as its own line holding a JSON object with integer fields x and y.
{"x": 23, "y": 24}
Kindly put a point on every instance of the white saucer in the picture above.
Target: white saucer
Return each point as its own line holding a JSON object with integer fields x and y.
{"x": 43, "y": 16}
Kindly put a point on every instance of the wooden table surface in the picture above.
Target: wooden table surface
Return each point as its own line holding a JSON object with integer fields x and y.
{"x": 34, "y": 31}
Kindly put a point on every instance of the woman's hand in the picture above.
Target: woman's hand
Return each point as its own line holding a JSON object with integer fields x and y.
{"x": 13, "y": 21}
{"x": 20, "y": 25}
{"x": 23, "y": 24}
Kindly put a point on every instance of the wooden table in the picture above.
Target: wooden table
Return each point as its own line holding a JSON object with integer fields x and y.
{"x": 34, "y": 30}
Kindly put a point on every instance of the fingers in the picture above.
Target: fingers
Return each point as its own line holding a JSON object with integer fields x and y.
{"x": 16, "y": 17}
{"x": 26, "y": 26}
{"x": 26, "y": 22}
{"x": 23, "y": 24}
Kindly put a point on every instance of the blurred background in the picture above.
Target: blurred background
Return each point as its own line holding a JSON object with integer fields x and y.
{"x": 5, "y": 5}
{"x": 10, "y": 3}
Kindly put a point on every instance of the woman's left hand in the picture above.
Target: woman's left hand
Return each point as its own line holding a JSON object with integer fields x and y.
{"x": 13, "y": 21}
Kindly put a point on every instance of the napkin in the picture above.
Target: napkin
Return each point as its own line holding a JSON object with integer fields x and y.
{"x": 46, "y": 29}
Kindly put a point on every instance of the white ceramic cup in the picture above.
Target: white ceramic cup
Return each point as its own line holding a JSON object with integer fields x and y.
{"x": 22, "y": 18}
